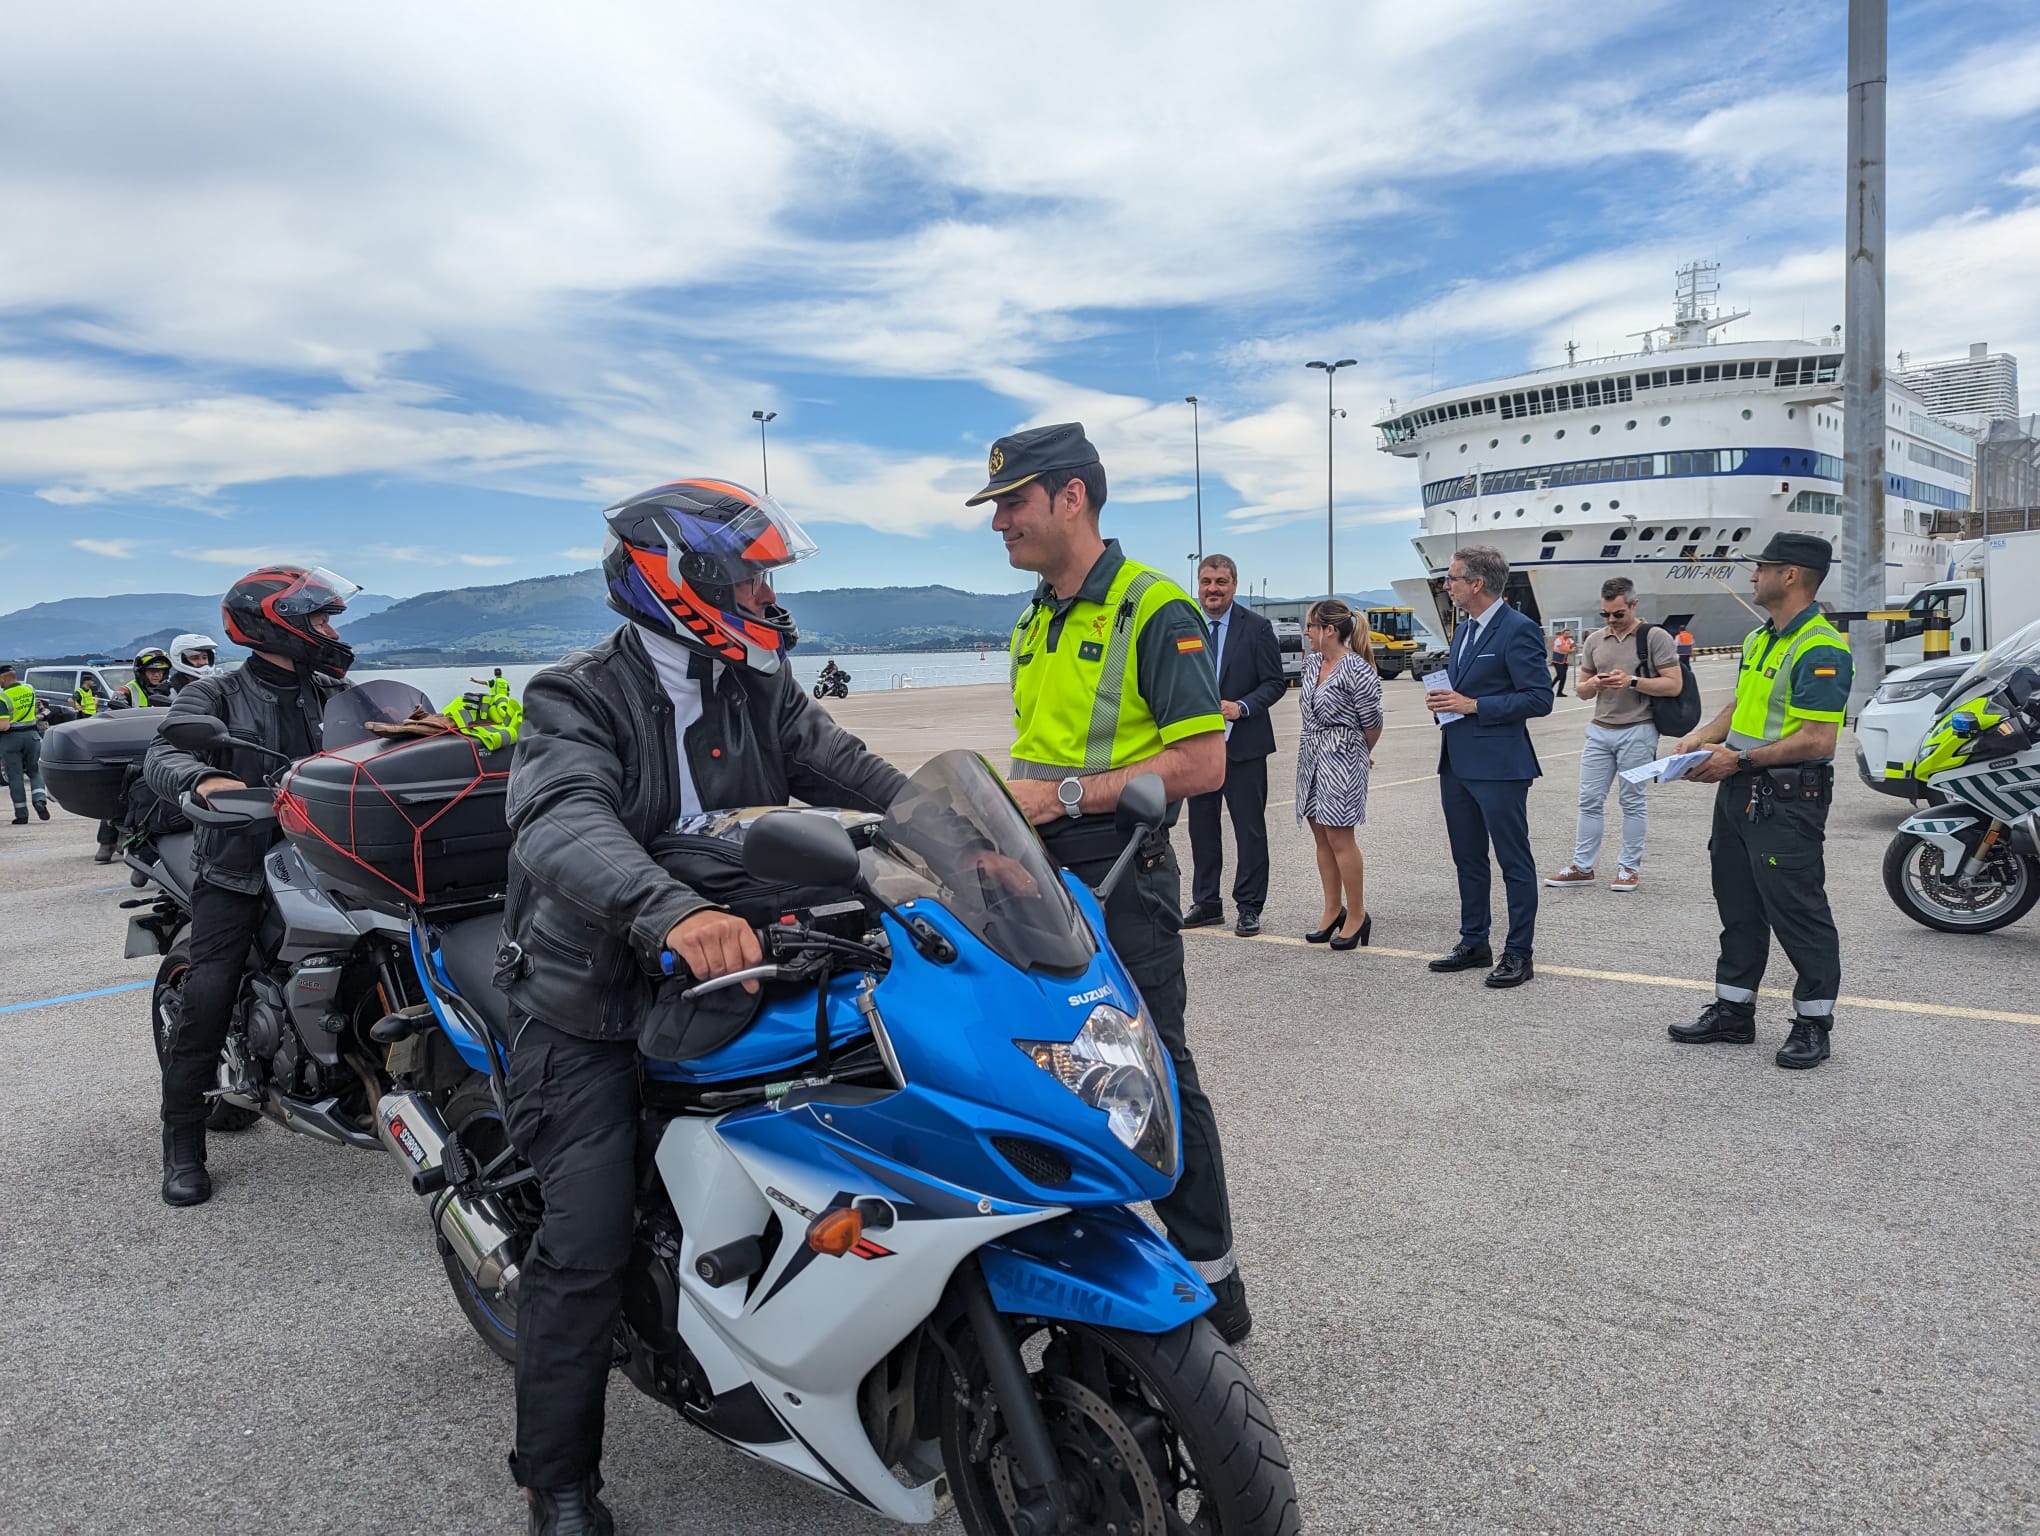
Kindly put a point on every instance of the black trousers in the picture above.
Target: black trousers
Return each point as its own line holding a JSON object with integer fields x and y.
{"x": 1558, "y": 677}
{"x": 223, "y": 925}
{"x": 1245, "y": 798}
{"x": 1144, "y": 923}
{"x": 574, "y": 1107}
{"x": 1770, "y": 876}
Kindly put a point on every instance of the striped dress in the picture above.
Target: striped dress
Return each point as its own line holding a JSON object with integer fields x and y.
{"x": 1331, "y": 758}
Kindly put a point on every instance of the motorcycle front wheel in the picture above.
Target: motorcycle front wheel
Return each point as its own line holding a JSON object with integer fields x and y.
{"x": 1161, "y": 1433}
{"x": 821, "y": 692}
{"x": 1916, "y": 878}
{"x": 166, "y": 1013}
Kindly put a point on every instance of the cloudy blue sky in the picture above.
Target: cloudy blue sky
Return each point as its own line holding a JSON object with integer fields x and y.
{"x": 415, "y": 289}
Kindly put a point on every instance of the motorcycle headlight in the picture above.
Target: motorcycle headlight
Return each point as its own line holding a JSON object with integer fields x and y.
{"x": 1115, "y": 1065}
{"x": 1906, "y": 692}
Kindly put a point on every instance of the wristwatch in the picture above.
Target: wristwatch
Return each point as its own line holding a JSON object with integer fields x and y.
{"x": 1743, "y": 763}
{"x": 1071, "y": 793}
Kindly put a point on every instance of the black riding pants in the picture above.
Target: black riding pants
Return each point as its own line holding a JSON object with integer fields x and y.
{"x": 574, "y": 1115}
{"x": 1144, "y": 923}
{"x": 1770, "y": 877}
{"x": 223, "y": 925}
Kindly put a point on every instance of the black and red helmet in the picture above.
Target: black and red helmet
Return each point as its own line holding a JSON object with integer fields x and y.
{"x": 677, "y": 553}
{"x": 274, "y": 610}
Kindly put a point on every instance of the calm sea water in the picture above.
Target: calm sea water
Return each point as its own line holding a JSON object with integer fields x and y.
{"x": 869, "y": 673}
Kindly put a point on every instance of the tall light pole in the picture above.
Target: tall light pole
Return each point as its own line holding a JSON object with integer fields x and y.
{"x": 1330, "y": 369}
{"x": 764, "y": 464}
{"x": 1863, "y": 414}
{"x": 1197, "y": 459}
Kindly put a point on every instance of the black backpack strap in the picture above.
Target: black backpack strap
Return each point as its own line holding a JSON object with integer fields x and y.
{"x": 1643, "y": 666}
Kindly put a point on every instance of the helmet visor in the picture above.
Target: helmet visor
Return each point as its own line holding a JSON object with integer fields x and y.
{"x": 320, "y": 591}
{"x": 715, "y": 550}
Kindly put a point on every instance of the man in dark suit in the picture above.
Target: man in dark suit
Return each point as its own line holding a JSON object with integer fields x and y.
{"x": 1497, "y": 683}
{"x": 1250, "y": 681}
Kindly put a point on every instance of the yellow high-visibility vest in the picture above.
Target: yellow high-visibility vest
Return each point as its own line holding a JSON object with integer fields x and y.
{"x": 1763, "y": 685}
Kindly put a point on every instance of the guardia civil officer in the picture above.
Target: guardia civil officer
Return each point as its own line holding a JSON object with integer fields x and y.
{"x": 1111, "y": 679}
{"x": 1773, "y": 751}
{"x": 21, "y": 745}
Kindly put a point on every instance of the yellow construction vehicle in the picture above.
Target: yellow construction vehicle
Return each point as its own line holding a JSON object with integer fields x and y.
{"x": 1395, "y": 639}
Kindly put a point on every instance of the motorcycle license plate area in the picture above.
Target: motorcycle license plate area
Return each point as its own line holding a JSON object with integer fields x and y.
{"x": 142, "y": 943}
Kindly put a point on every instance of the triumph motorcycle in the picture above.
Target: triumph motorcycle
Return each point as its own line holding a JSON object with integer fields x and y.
{"x": 1971, "y": 863}
{"x": 883, "y": 1238}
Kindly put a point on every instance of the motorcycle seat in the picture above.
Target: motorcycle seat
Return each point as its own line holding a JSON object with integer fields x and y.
{"x": 175, "y": 854}
{"x": 468, "y": 951}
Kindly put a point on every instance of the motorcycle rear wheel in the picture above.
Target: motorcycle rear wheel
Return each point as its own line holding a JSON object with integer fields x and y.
{"x": 2004, "y": 892}
{"x": 471, "y": 1115}
{"x": 166, "y": 1012}
{"x": 1162, "y": 1433}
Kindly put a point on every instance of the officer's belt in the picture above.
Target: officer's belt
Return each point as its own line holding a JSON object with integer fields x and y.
{"x": 1077, "y": 839}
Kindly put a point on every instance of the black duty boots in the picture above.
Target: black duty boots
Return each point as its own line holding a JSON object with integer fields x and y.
{"x": 570, "y": 1511}
{"x": 185, "y": 1181}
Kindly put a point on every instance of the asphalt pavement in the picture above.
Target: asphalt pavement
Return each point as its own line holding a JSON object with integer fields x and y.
{"x": 1518, "y": 1262}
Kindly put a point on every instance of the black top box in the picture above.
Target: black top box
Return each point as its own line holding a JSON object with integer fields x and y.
{"x": 413, "y": 821}
{"x": 85, "y": 763}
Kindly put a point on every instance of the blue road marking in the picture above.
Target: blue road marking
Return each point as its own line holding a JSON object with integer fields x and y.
{"x": 75, "y": 997}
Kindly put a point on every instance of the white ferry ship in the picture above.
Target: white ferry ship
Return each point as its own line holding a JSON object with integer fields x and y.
{"x": 1664, "y": 466}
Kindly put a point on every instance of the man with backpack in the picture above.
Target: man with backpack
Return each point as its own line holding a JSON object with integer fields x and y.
{"x": 1632, "y": 672}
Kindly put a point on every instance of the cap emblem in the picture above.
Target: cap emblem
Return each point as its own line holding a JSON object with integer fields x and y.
{"x": 996, "y": 462}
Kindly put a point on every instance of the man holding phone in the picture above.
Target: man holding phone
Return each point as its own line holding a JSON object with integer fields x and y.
{"x": 1622, "y": 734}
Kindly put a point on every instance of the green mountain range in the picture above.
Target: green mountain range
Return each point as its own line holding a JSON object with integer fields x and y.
{"x": 538, "y": 619}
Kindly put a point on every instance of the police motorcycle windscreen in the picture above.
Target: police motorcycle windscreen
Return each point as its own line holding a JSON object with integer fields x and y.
{"x": 383, "y": 700}
{"x": 819, "y": 1224}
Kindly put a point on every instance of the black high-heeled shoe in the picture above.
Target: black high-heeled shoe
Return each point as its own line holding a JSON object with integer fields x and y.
{"x": 1340, "y": 941}
{"x": 1319, "y": 935}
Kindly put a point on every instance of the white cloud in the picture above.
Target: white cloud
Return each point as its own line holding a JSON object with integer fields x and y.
{"x": 485, "y": 561}
{"x": 112, "y": 549}
{"x": 586, "y": 556}
{"x": 250, "y": 556}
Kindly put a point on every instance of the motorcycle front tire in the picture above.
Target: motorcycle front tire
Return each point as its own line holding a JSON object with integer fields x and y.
{"x": 821, "y": 692}
{"x": 166, "y": 1007}
{"x": 1908, "y": 848}
{"x": 1182, "y": 1399}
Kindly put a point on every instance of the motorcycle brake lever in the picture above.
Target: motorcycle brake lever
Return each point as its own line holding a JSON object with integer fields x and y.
{"x": 738, "y": 978}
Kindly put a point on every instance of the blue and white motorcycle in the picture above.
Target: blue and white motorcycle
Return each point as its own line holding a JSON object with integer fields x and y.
{"x": 887, "y": 1243}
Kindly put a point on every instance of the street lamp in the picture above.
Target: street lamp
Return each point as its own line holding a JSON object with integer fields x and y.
{"x": 1329, "y": 370}
{"x": 1197, "y": 459}
{"x": 764, "y": 464}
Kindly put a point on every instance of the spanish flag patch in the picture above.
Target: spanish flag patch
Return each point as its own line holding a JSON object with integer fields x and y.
{"x": 1823, "y": 671}
{"x": 1190, "y": 643}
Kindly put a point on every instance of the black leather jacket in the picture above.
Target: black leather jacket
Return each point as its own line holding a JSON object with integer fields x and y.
{"x": 256, "y": 710}
{"x": 596, "y": 779}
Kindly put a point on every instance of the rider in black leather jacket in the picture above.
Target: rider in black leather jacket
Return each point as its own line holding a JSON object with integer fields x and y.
{"x": 689, "y": 707}
{"x": 284, "y": 614}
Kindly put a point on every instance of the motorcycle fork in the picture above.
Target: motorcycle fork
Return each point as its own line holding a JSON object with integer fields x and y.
{"x": 1972, "y": 865}
{"x": 1013, "y": 1391}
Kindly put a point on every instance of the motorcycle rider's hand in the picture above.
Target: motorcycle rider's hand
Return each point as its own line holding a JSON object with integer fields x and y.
{"x": 212, "y": 784}
{"x": 715, "y": 943}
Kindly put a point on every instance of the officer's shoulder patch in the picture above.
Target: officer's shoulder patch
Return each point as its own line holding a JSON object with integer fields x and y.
{"x": 1824, "y": 671}
{"x": 1190, "y": 643}
{"x": 1090, "y": 650}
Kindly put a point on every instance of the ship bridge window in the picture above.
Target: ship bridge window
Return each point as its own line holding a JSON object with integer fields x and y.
{"x": 1648, "y": 533}
{"x": 1619, "y": 535}
{"x": 1764, "y": 369}
{"x": 1712, "y": 373}
{"x": 1741, "y": 534}
{"x": 1698, "y": 533}
{"x": 1673, "y": 533}
{"x": 1557, "y": 535}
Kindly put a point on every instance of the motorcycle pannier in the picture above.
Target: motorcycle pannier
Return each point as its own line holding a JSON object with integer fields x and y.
{"x": 86, "y": 763}
{"x": 417, "y": 820}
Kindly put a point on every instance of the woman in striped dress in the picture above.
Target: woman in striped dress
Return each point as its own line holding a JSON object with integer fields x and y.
{"x": 1341, "y": 710}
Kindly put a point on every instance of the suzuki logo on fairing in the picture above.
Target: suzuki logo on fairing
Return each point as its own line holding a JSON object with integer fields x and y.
{"x": 1095, "y": 995}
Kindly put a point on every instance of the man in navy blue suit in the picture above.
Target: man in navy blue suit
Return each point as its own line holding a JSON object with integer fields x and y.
{"x": 1250, "y": 682}
{"x": 1485, "y": 762}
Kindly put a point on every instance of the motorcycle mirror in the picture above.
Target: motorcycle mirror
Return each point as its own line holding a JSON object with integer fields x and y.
{"x": 1142, "y": 804}
{"x": 2023, "y": 686}
{"x": 794, "y": 848}
{"x": 195, "y": 733}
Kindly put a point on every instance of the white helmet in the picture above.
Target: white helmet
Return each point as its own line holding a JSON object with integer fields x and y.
{"x": 182, "y": 669}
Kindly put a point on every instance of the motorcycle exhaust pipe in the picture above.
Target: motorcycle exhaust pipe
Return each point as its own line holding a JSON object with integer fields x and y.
{"x": 473, "y": 1226}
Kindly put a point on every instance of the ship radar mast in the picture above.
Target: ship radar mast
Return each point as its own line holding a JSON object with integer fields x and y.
{"x": 1698, "y": 314}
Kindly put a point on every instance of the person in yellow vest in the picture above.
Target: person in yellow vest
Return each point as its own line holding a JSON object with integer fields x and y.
{"x": 492, "y": 717}
{"x": 21, "y": 745}
{"x": 1771, "y": 752}
{"x": 1111, "y": 678}
{"x": 86, "y": 699}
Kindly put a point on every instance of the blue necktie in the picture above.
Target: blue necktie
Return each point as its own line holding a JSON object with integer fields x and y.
{"x": 1218, "y": 644}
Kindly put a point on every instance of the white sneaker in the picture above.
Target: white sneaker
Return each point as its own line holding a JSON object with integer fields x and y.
{"x": 1625, "y": 880}
{"x": 1572, "y": 874}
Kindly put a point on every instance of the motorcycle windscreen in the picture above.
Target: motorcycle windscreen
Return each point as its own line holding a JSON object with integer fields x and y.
{"x": 955, "y": 836}
{"x": 383, "y": 699}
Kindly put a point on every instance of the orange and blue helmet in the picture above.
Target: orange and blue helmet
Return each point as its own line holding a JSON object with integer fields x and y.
{"x": 677, "y": 554}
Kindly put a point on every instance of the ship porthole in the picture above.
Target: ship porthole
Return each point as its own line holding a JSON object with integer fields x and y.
{"x": 1745, "y": 415}
{"x": 1629, "y": 426}
{"x": 1593, "y": 429}
{"x": 1664, "y": 421}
